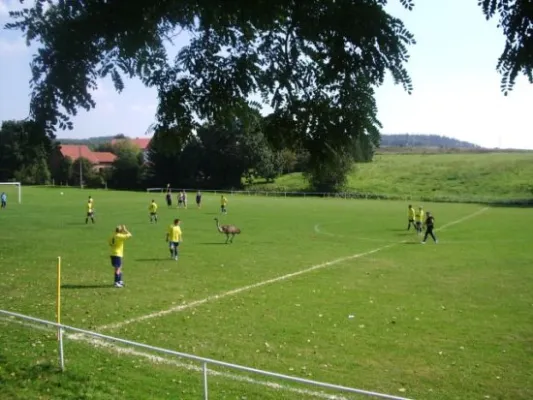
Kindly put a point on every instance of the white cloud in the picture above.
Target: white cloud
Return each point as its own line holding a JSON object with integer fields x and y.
{"x": 11, "y": 47}
{"x": 10, "y": 5}
{"x": 4, "y": 10}
{"x": 107, "y": 107}
{"x": 101, "y": 92}
{"x": 144, "y": 108}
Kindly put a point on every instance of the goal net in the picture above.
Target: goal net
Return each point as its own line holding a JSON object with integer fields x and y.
{"x": 13, "y": 191}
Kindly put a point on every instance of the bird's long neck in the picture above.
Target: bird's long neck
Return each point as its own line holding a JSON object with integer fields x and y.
{"x": 218, "y": 225}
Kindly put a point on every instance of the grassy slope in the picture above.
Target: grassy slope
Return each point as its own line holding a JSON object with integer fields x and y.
{"x": 465, "y": 176}
{"x": 461, "y": 309}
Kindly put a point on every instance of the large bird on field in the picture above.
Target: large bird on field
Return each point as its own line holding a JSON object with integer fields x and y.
{"x": 228, "y": 230}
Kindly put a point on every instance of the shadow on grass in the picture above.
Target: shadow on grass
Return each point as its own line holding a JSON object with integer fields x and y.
{"x": 153, "y": 259}
{"x": 70, "y": 286}
{"x": 208, "y": 243}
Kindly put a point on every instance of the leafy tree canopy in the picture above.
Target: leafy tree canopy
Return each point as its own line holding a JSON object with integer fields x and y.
{"x": 516, "y": 21}
{"x": 313, "y": 61}
{"x": 24, "y": 149}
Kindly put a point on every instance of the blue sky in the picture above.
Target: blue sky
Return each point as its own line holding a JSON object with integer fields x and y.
{"x": 456, "y": 87}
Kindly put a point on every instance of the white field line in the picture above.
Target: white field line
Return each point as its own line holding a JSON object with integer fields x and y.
{"x": 155, "y": 359}
{"x": 458, "y": 221}
{"x": 322, "y": 232}
{"x": 266, "y": 282}
{"x": 233, "y": 292}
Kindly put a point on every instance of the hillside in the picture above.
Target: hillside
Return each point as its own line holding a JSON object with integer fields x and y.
{"x": 92, "y": 142}
{"x": 399, "y": 140}
{"x": 408, "y": 140}
{"x": 450, "y": 177}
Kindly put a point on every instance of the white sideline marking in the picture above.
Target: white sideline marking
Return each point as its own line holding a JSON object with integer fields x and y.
{"x": 322, "y": 232}
{"x": 267, "y": 282}
{"x": 99, "y": 343}
{"x": 239, "y": 290}
{"x": 462, "y": 219}
{"x": 191, "y": 367}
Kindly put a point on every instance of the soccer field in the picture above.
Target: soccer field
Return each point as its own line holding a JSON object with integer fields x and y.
{"x": 326, "y": 289}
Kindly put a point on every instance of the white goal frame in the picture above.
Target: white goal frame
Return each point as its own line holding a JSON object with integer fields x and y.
{"x": 19, "y": 186}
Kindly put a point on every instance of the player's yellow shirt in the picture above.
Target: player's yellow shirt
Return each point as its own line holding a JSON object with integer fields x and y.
{"x": 117, "y": 243}
{"x": 90, "y": 207}
{"x": 223, "y": 201}
{"x": 174, "y": 233}
{"x": 420, "y": 215}
{"x": 411, "y": 213}
{"x": 152, "y": 207}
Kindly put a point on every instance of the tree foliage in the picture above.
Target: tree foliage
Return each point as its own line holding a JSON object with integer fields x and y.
{"x": 515, "y": 18}
{"x": 25, "y": 149}
{"x": 213, "y": 157}
{"x": 314, "y": 62}
{"x": 84, "y": 174}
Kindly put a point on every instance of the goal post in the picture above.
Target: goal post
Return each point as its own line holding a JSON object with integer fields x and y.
{"x": 16, "y": 185}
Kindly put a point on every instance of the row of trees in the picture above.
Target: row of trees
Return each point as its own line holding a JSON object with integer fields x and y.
{"x": 315, "y": 63}
{"x": 214, "y": 156}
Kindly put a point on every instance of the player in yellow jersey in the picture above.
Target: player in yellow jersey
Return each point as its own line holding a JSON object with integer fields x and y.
{"x": 411, "y": 217}
{"x": 419, "y": 218}
{"x": 174, "y": 238}
{"x": 152, "y": 208}
{"x": 223, "y": 204}
{"x": 90, "y": 210}
{"x": 116, "y": 242}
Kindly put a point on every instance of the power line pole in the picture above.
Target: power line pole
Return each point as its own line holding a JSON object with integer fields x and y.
{"x": 81, "y": 169}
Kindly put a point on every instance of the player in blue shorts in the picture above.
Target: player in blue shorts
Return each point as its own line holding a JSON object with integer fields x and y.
{"x": 116, "y": 242}
{"x": 174, "y": 237}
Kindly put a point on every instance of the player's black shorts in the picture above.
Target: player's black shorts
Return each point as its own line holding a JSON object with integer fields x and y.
{"x": 116, "y": 261}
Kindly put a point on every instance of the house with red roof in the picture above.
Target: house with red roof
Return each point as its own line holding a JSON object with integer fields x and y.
{"x": 99, "y": 159}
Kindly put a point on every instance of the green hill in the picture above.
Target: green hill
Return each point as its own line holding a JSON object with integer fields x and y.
{"x": 484, "y": 177}
{"x": 426, "y": 141}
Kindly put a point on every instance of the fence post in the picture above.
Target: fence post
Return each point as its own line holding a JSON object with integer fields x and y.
{"x": 61, "y": 353}
{"x": 205, "y": 382}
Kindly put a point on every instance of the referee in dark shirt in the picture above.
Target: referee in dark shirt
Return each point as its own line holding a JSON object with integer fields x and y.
{"x": 430, "y": 225}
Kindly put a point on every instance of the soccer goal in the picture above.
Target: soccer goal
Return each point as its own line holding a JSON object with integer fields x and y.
{"x": 12, "y": 190}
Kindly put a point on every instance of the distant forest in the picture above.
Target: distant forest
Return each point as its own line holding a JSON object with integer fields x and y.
{"x": 426, "y": 141}
{"x": 92, "y": 142}
{"x": 398, "y": 140}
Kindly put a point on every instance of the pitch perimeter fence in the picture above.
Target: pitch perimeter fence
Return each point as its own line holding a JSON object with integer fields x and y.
{"x": 355, "y": 195}
{"x": 205, "y": 362}
{"x": 344, "y": 195}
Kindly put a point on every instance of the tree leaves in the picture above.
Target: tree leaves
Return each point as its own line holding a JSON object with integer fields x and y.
{"x": 516, "y": 21}
{"x": 314, "y": 62}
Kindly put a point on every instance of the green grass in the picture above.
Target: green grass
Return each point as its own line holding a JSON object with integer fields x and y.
{"x": 447, "y": 321}
{"x": 454, "y": 177}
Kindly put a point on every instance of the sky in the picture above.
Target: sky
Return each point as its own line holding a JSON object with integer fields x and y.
{"x": 453, "y": 68}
